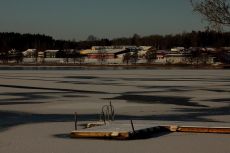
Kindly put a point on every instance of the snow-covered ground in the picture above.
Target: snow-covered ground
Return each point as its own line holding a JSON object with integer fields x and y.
{"x": 37, "y": 107}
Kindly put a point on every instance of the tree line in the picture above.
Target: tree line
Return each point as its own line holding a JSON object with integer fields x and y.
{"x": 21, "y": 42}
{"x": 40, "y": 42}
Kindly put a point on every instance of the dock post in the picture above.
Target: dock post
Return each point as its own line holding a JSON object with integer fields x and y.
{"x": 103, "y": 117}
{"x": 112, "y": 111}
{"x": 132, "y": 127}
{"x": 75, "y": 119}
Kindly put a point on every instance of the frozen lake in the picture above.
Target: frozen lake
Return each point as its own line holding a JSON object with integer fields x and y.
{"x": 44, "y": 99}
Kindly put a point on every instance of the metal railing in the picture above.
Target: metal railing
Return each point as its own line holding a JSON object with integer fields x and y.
{"x": 107, "y": 112}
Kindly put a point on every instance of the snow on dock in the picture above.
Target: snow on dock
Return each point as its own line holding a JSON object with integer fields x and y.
{"x": 128, "y": 130}
{"x": 115, "y": 129}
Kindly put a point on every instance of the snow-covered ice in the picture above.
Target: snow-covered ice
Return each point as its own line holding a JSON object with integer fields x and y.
{"x": 37, "y": 107}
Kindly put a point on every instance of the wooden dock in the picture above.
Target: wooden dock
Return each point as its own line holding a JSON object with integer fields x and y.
{"x": 139, "y": 129}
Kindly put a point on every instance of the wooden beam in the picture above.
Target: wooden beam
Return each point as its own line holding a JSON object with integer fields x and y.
{"x": 197, "y": 129}
{"x": 76, "y": 134}
{"x": 203, "y": 129}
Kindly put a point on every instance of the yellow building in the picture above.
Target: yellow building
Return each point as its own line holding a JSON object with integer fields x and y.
{"x": 41, "y": 54}
{"x": 87, "y": 51}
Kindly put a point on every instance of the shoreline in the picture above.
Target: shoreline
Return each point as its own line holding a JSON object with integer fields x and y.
{"x": 119, "y": 65}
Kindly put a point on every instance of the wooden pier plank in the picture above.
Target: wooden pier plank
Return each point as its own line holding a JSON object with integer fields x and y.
{"x": 204, "y": 129}
{"x": 76, "y": 134}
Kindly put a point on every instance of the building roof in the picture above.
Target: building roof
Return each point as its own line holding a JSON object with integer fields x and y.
{"x": 113, "y": 51}
{"x": 52, "y": 51}
{"x": 164, "y": 51}
{"x": 108, "y": 51}
{"x": 31, "y": 49}
{"x": 145, "y": 48}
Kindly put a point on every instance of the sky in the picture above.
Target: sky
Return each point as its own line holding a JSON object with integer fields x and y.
{"x": 77, "y": 19}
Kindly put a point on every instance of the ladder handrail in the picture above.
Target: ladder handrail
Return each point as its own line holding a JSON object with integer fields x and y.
{"x": 109, "y": 112}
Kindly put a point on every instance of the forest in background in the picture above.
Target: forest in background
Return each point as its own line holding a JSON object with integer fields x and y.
{"x": 41, "y": 42}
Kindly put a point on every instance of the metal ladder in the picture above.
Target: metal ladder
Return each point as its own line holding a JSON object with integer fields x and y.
{"x": 109, "y": 112}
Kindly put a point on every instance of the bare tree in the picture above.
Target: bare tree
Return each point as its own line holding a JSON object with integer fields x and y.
{"x": 150, "y": 56}
{"x": 127, "y": 58}
{"x": 5, "y": 57}
{"x": 216, "y": 12}
{"x": 192, "y": 57}
{"x": 102, "y": 55}
{"x": 78, "y": 57}
{"x": 43, "y": 60}
{"x": 91, "y": 38}
{"x": 196, "y": 56}
{"x": 18, "y": 56}
{"x": 35, "y": 57}
{"x": 205, "y": 58}
{"x": 66, "y": 57}
{"x": 74, "y": 56}
{"x": 134, "y": 58}
{"x": 188, "y": 57}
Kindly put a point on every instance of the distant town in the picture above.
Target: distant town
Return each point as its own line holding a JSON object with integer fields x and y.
{"x": 122, "y": 55}
{"x": 142, "y": 50}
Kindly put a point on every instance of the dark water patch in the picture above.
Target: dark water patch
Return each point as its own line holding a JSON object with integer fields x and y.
{"x": 219, "y": 100}
{"x": 161, "y": 87}
{"x": 28, "y": 78}
{"x": 177, "y": 90}
{"x": 48, "y": 80}
{"x": 27, "y": 93}
{"x": 99, "y": 83}
{"x": 89, "y": 83}
{"x": 201, "y": 112}
{"x": 162, "y": 79}
{"x": 220, "y": 79}
{"x": 57, "y": 89}
{"x": 11, "y": 118}
{"x": 104, "y": 83}
{"x": 27, "y": 96}
{"x": 168, "y": 88}
{"x": 81, "y": 77}
{"x": 145, "y": 99}
{"x": 216, "y": 90}
{"x": 109, "y": 80}
{"x": 20, "y": 103}
{"x": 72, "y": 82}
{"x": 206, "y": 111}
{"x": 139, "y": 92}
{"x": 74, "y": 96}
